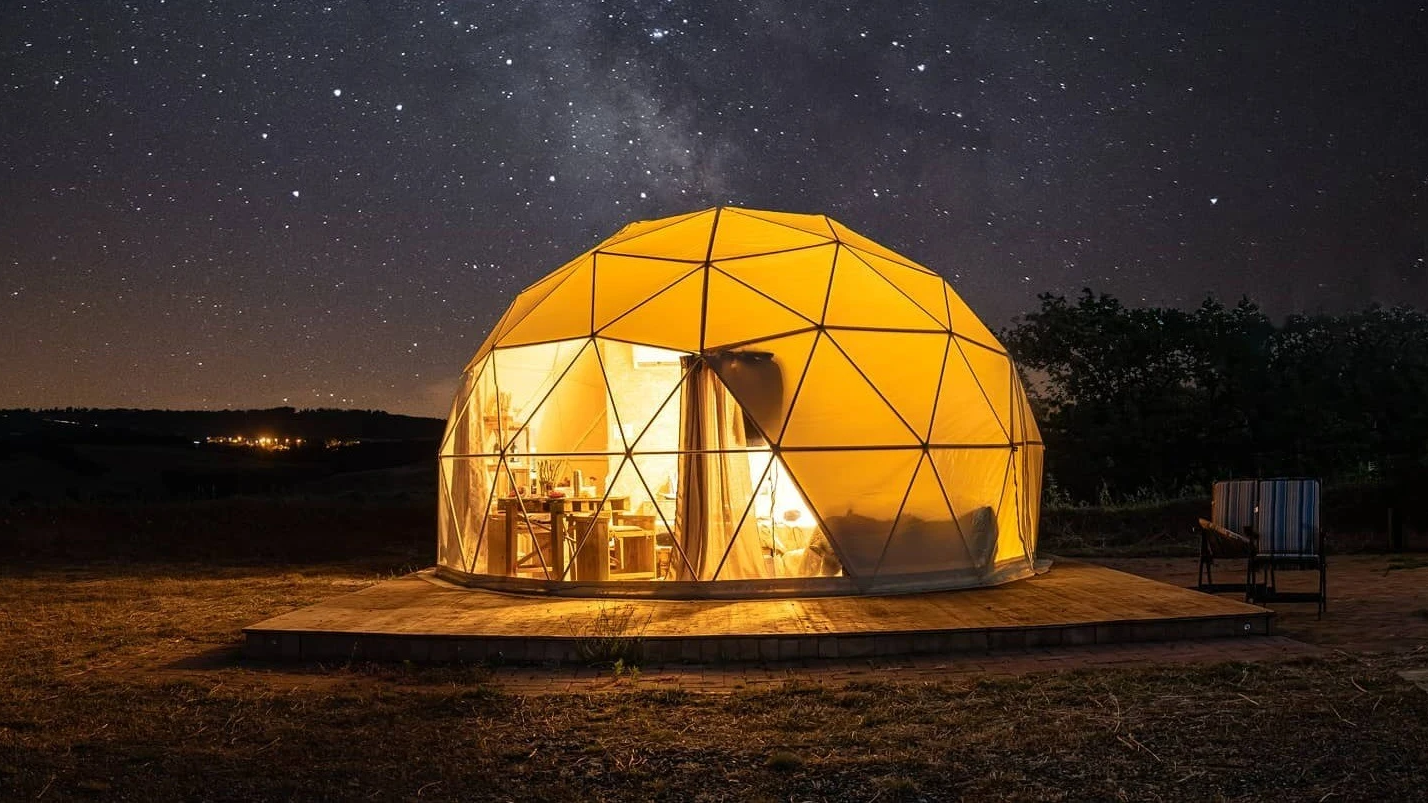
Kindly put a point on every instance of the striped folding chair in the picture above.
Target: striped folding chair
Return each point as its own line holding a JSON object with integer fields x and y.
{"x": 1232, "y": 504}
{"x": 1289, "y": 535}
{"x": 1227, "y": 534}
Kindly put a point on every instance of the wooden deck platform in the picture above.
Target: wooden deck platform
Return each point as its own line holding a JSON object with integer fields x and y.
{"x": 420, "y": 618}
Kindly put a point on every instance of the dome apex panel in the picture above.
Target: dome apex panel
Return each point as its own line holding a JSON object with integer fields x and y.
{"x": 641, "y": 227}
{"x": 737, "y": 234}
{"x": 685, "y": 239}
{"x": 816, "y": 225}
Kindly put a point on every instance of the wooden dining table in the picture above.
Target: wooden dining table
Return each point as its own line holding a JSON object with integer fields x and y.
{"x": 503, "y": 553}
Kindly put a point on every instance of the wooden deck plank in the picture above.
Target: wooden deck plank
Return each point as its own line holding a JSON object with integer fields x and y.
{"x": 1075, "y": 598}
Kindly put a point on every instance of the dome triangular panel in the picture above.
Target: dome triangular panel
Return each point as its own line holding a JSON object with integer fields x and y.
{"x": 736, "y": 313}
{"x": 898, "y": 363}
{"x": 563, "y": 313}
{"x": 926, "y": 537}
{"x": 836, "y": 406}
{"x": 816, "y": 225}
{"x": 670, "y": 319}
{"x": 862, "y": 297}
{"x": 623, "y": 283}
{"x": 796, "y": 279}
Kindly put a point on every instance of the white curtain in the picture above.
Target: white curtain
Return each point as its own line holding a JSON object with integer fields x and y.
{"x": 714, "y": 486}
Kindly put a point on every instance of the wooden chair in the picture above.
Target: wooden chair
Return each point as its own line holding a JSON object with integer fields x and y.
{"x": 633, "y": 543}
{"x": 601, "y": 543}
{"x": 538, "y": 550}
{"x": 1227, "y": 535}
{"x": 1220, "y": 543}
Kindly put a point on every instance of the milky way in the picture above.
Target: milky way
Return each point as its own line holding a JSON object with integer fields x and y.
{"x": 235, "y": 204}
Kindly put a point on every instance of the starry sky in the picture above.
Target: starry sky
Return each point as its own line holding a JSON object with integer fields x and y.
{"x": 244, "y": 204}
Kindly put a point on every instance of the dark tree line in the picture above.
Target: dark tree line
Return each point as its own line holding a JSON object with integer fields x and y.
{"x": 1147, "y": 400}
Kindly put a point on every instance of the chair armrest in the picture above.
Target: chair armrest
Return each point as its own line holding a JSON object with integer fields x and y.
{"x": 1209, "y": 526}
{"x": 1229, "y": 542}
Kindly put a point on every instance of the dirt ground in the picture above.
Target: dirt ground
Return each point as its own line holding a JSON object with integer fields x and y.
{"x": 1377, "y": 603}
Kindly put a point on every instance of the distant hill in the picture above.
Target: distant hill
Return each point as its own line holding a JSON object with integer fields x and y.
{"x": 281, "y": 422}
{"x": 82, "y": 455}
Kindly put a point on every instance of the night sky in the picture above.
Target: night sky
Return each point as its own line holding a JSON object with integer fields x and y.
{"x": 239, "y": 204}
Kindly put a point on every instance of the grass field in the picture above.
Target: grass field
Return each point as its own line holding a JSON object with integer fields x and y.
{"x": 125, "y": 683}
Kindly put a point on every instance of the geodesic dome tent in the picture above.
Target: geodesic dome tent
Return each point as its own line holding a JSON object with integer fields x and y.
{"x": 733, "y": 403}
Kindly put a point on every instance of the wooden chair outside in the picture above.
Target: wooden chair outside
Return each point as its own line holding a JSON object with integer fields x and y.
{"x": 1228, "y": 535}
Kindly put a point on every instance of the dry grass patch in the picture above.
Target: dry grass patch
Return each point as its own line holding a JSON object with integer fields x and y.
{"x": 129, "y": 687}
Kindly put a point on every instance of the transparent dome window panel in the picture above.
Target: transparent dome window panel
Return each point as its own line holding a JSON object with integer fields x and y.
{"x": 467, "y": 487}
{"x": 653, "y": 489}
{"x": 791, "y": 541}
{"x": 714, "y": 528}
{"x": 605, "y": 538}
{"x": 525, "y": 378}
{"x": 567, "y": 416}
{"x": 450, "y": 551}
{"x": 476, "y": 427}
{"x": 644, "y": 384}
{"x": 459, "y": 404}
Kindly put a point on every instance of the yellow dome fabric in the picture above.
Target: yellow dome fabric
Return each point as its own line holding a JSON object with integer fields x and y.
{"x": 739, "y": 402}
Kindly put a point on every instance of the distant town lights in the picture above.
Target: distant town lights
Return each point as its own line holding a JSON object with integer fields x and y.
{"x": 272, "y": 443}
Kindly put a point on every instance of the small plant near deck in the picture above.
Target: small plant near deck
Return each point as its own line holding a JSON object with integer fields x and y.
{"x": 624, "y": 670}
{"x": 615, "y": 637}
